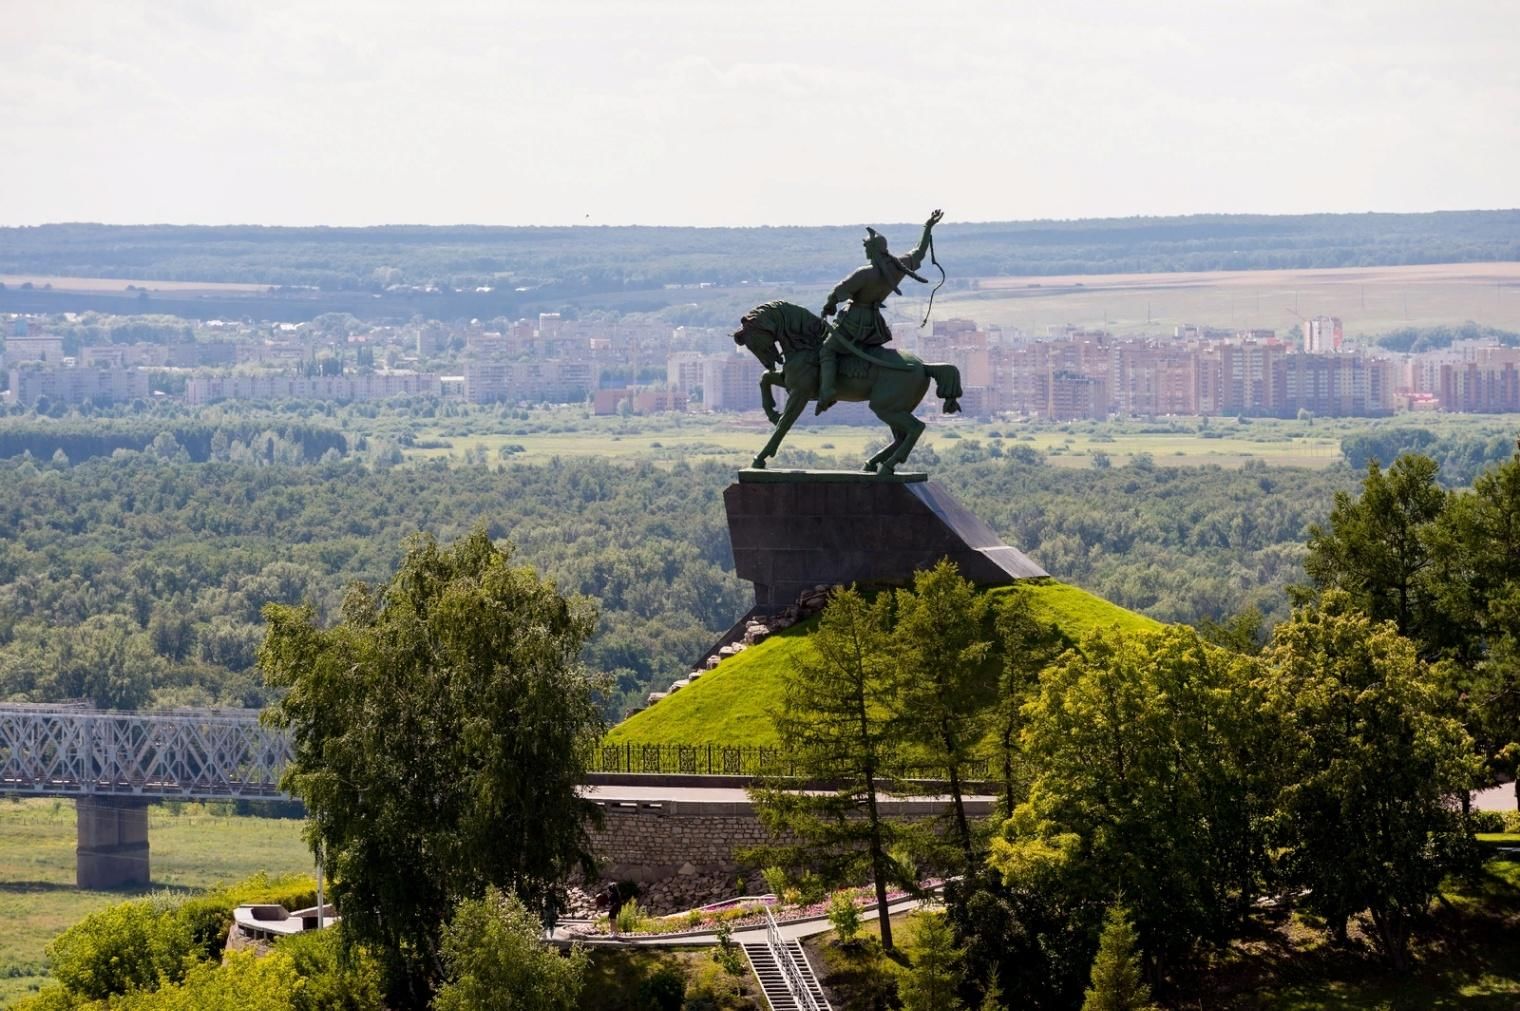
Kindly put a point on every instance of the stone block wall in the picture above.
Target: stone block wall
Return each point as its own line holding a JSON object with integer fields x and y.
{"x": 646, "y": 841}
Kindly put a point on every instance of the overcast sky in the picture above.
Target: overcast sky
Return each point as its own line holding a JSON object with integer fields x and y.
{"x": 721, "y": 112}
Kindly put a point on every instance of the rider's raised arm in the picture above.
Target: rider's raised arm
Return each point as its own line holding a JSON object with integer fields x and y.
{"x": 916, "y": 257}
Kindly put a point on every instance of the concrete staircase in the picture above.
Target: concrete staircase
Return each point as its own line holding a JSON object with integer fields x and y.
{"x": 773, "y": 980}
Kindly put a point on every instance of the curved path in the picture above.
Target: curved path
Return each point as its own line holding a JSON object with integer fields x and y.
{"x": 791, "y": 930}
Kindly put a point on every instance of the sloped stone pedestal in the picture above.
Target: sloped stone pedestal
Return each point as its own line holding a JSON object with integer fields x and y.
{"x": 794, "y": 530}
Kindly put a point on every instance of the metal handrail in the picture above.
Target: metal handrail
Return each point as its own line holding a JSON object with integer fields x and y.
{"x": 791, "y": 972}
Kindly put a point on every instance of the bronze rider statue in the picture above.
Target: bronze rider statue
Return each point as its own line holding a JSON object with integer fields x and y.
{"x": 867, "y": 288}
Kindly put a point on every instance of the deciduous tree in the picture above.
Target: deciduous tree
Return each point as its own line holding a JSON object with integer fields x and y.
{"x": 1376, "y": 548}
{"x": 1370, "y": 769}
{"x": 1144, "y": 752}
{"x": 440, "y": 731}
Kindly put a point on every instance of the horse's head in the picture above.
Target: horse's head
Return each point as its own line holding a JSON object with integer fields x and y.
{"x": 761, "y": 343}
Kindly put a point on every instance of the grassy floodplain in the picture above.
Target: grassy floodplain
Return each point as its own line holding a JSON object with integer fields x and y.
{"x": 194, "y": 847}
{"x": 570, "y": 433}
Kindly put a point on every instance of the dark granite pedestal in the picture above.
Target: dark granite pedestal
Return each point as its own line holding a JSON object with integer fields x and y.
{"x": 793, "y": 530}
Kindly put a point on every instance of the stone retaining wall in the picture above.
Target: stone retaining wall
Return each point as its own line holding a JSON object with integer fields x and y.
{"x": 647, "y": 841}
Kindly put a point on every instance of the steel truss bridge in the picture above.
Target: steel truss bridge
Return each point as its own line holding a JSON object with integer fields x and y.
{"x": 71, "y": 751}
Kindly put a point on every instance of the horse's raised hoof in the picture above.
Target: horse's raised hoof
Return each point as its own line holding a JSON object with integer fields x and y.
{"x": 774, "y": 416}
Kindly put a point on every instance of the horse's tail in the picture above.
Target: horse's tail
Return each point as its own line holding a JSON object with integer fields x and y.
{"x": 947, "y": 385}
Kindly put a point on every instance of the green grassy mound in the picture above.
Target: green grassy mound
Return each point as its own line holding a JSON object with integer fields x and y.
{"x": 732, "y": 703}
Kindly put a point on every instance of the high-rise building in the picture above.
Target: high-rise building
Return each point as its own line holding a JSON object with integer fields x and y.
{"x": 1322, "y": 335}
{"x": 731, "y": 383}
{"x": 683, "y": 370}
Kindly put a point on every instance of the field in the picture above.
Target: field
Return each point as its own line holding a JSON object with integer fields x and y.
{"x": 193, "y": 848}
{"x": 98, "y": 285}
{"x": 567, "y": 432}
{"x": 1369, "y": 300}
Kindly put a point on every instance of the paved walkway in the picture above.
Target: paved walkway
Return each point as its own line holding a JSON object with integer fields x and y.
{"x": 791, "y": 930}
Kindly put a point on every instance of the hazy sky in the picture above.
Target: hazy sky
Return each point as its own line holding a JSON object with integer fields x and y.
{"x": 716, "y": 112}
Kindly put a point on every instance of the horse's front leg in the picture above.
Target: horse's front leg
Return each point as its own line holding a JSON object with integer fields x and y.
{"x": 767, "y": 398}
{"x": 795, "y": 402}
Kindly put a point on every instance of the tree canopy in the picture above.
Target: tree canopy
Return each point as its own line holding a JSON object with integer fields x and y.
{"x": 440, "y": 733}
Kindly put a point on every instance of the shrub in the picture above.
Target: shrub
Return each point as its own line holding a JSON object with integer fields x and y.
{"x": 844, "y": 916}
{"x": 810, "y": 888}
{"x": 331, "y": 980}
{"x": 775, "y": 880}
{"x": 726, "y": 954}
{"x": 1487, "y": 821}
{"x": 711, "y": 988}
{"x": 245, "y": 982}
{"x": 630, "y": 919}
{"x": 495, "y": 958}
{"x": 662, "y": 990}
{"x": 122, "y": 948}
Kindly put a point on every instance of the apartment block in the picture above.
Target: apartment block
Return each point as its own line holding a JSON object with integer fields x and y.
{"x": 62, "y": 385}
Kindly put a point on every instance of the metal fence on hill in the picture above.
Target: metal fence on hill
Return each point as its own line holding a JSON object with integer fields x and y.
{"x": 732, "y": 760}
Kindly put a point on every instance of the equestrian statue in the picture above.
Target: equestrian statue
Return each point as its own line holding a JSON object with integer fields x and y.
{"x": 846, "y": 359}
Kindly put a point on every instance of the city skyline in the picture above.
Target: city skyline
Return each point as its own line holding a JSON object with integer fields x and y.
{"x": 683, "y": 113}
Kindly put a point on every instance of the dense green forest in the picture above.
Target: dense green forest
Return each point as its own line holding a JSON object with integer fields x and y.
{"x": 586, "y": 259}
{"x": 158, "y": 566}
{"x": 155, "y": 534}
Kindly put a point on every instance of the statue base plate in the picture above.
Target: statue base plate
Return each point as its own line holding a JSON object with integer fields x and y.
{"x": 750, "y": 475}
{"x": 792, "y": 531}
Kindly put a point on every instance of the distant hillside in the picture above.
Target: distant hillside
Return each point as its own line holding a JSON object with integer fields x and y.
{"x": 731, "y": 705}
{"x": 580, "y": 260}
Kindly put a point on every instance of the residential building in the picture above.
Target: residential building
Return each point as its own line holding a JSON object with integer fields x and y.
{"x": 62, "y": 385}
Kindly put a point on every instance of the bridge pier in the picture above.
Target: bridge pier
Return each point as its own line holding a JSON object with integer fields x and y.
{"x": 112, "y": 849}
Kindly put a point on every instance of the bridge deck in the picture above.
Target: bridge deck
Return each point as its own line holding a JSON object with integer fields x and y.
{"x": 66, "y": 751}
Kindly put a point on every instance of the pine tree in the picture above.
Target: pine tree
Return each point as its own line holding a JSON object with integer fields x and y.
{"x": 942, "y": 688}
{"x": 1116, "y": 983}
{"x": 835, "y": 724}
{"x": 936, "y": 974}
{"x": 992, "y": 996}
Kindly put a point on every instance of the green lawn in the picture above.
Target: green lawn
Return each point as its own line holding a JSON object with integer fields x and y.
{"x": 732, "y": 704}
{"x": 192, "y": 850}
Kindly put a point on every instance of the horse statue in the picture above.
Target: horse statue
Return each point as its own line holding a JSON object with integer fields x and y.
{"x": 892, "y": 384}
